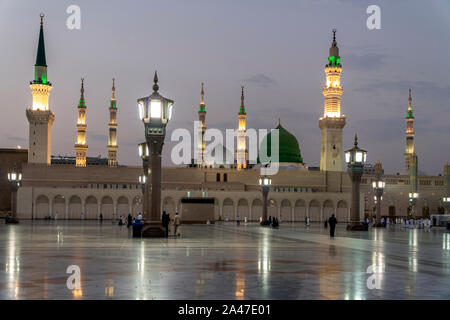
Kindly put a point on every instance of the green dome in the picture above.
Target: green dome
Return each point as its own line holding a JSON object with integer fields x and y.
{"x": 289, "y": 150}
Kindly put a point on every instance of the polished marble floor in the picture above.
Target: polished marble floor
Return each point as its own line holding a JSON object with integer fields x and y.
{"x": 223, "y": 261}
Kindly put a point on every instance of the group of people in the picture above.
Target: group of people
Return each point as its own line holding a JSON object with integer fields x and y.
{"x": 166, "y": 221}
{"x": 272, "y": 222}
{"x": 128, "y": 221}
{"x": 332, "y": 222}
{"x": 421, "y": 223}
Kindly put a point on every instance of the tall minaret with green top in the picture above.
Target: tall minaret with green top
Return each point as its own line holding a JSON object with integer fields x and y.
{"x": 242, "y": 152}
{"x": 202, "y": 129}
{"x": 332, "y": 122}
{"x": 112, "y": 126}
{"x": 409, "y": 150}
{"x": 39, "y": 116}
{"x": 81, "y": 146}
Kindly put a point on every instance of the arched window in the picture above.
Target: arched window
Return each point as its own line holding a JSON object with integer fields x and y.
{"x": 225, "y": 177}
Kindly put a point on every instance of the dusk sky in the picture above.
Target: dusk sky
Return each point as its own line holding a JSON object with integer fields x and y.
{"x": 276, "y": 49}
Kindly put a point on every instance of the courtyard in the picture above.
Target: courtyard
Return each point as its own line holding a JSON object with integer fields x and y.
{"x": 222, "y": 261}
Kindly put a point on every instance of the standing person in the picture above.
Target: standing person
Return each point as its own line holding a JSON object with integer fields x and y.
{"x": 333, "y": 222}
{"x": 326, "y": 224}
{"x": 165, "y": 223}
{"x": 238, "y": 220}
{"x": 307, "y": 221}
{"x": 176, "y": 224}
{"x": 129, "y": 220}
{"x": 101, "y": 218}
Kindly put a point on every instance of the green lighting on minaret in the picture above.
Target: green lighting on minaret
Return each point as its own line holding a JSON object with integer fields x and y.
{"x": 202, "y": 102}
{"x": 242, "y": 107}
{"x": 334, "y": 59}
{"x": 82, "y": 103}
{"x": 113, "y": 104}
{"x": 40, "y": 68}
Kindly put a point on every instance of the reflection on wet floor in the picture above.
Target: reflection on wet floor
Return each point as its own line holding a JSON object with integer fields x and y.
{"x": 223, "y": 261}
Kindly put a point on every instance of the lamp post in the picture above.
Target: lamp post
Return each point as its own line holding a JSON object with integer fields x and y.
{"x": 265, "y": 183}
{"x": 446, "y": 203}
{"x": 15, "y": 179}
{"x": 155, "y": 112}
{"x": 378, "y": 186}
{"x": 355, "y": 159}
{"x": 144, "y": 153}
{"x": 413, "y": 196}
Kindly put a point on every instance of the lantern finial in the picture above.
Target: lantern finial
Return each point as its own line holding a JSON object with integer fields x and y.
{"x": 356, "y": 140}
{"x": 155, "y": 80}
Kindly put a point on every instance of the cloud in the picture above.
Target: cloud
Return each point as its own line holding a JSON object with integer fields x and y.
{"x": 15, "y": 138}
{"x": 375, "y": 60}
{"x": 262, "y": 80}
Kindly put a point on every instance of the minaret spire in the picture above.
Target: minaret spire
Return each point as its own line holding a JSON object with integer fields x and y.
{"x": 201, "y": 143}
{"x": 39, "y": 115}
{"x": 112, "y": 127}
{"x": 242, "y": 152}
{"x": 333, "y": 121}
{"x": 80, "y": 145}
{"x": 409, "y": 150}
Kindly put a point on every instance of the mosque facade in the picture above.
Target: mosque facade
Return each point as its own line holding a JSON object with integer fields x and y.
{"x": 78, "y": 190}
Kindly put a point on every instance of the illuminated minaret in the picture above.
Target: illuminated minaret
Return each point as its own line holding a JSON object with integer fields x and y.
{"x": 112, "y": 126}
{"x": 242, "y": 152}
{"x": 201, "y": 140}
{"x": 409, "y": 151}
{"x": 333, "y": 121}
{"x": 39, "y": 116}
{"x": 80, "y": 145}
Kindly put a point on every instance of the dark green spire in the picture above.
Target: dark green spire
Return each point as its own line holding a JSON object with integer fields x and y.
{"x": 40, "y": 59}
{"x": 113, "y": 97}
{"x": 40, "y": 68}
{"x": 82, "y": 103}
{"x": 242, "y": 108}
{"x": 202, "y": 101}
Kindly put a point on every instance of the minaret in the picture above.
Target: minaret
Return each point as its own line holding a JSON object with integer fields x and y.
{"x": 81, "y": 146}
{"x": 333, "y": 121}
{"x": 39, "y": 116}
{"x": 242, "y": 152}
{"x": 201, "y": 140}
{"x": 409, "y": 151}
{"x": 112, "y": 126}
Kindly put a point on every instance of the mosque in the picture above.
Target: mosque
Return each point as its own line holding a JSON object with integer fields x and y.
{"x": 84, "y": 188}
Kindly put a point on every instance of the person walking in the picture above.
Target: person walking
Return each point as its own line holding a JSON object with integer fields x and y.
{"x": 176, "y": 224}
{"x": 165, "y": 223}
{"x": 333, "y": 222}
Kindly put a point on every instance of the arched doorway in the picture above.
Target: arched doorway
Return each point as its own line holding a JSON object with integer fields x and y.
{"x": 137, "y": 207}
{"x": 300, "y": 210}
{"x": 75, "y": 208}
{"x": 342, "y": 214}
{"x": 257, "y": 209}
{"x": 425, "y": 212}
{"x": 228, "y": 209}
{"x": 243, "y": 210}
{"x": 169, "y": 206}
{"x": 285, "y": 210}
{"x": 328, "y": 209}
{"x": 59, "y": 207}
{"x": 272, "y": 210}
{"x": 91, "y": 208}
{"x": 107, "y": 208}
{"x": 123, "y": 208}
{"x": 314, "y": 210}
{"x": 42, "y": 207}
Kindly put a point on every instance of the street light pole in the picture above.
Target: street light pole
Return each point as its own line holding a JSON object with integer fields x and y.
{"x": 265, "y": 183}
{"x": 378, "y": 187}
{"x": 15, "y": 179}
{"x": 155, "y": 112}
{"x": 355, "y": 159}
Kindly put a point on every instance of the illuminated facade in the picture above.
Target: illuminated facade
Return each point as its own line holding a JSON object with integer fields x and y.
{"x": 201, "y": 130}
{"x": 80, "y": 146}
{"x": 112, "y": 127}
{"x": 409, "y": 151}
{"x": 333, "y": 121}
{"x": 39, "y": 116}
{"x": 242, "y": 152}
